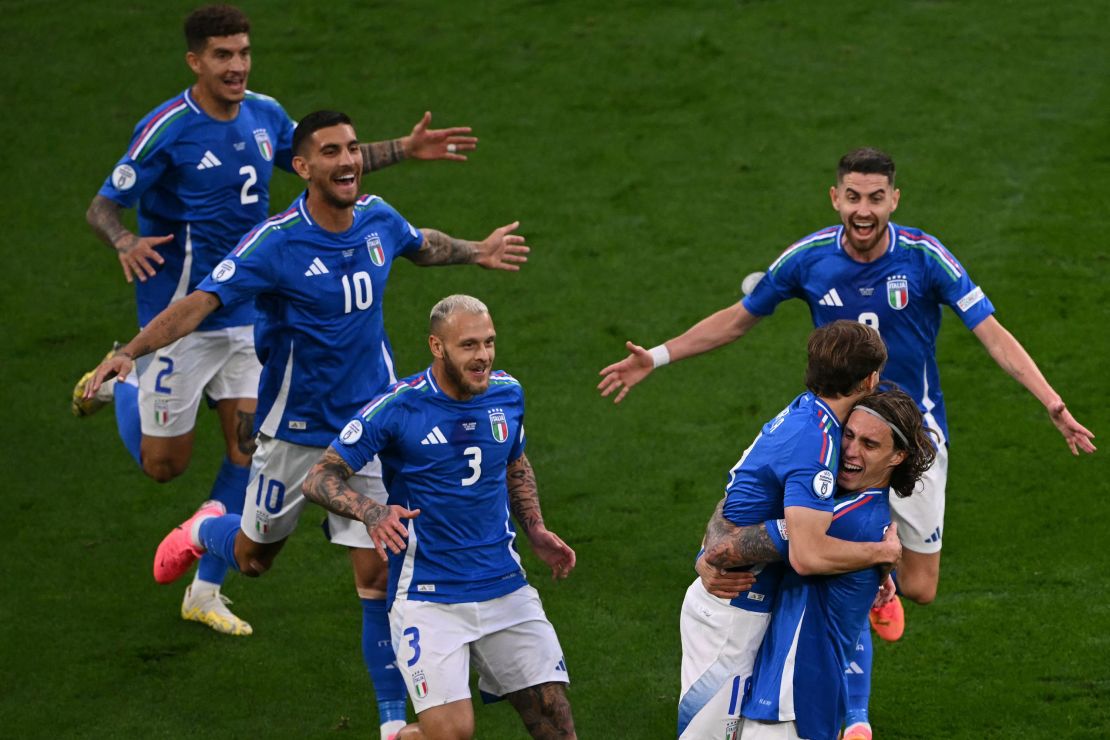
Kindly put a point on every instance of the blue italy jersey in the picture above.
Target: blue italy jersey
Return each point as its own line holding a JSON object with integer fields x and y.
{"x": 447, "y": 458}
{"x": 319, "y": 334}
{"x": 206, "y": 182}
{"x": 792, "y": 460}
{"x": 900, "y": 294}
{"x": 800, "y": 669}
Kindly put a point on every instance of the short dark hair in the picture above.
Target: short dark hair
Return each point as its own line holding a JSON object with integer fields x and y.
{"x": 213, "y": 20}
{"x": 841, "y": 356}
{"x": 312, "y": 123}
{"x": 900, "y": 411}
{"x": 866, "y": 161}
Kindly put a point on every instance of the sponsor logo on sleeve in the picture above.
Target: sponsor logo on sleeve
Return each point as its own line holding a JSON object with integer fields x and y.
{"x": 351, "y": 433}
{"x": 970, "y": 299}
{"x": 224, "y": 271}
{"x": 824, "y": 483}
{"x": 124, "y": 177}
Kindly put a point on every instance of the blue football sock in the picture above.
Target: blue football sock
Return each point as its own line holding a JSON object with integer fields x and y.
{"x": 217, "y": 534}
{"x": 377, "y": 651}
{"x": 128, "y": 421}
{"x": 229, "y": 489}
{"x": 859, "y": 679}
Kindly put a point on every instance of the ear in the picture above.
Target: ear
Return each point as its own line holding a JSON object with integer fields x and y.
{"x": 834, "y": 197}
{"x": 894, "y": 197}
{"x": 898, "y": 458}
{"x": 300, "y": 166}
{"x": 435, "y": 344}
{"x": 193, "y": 60}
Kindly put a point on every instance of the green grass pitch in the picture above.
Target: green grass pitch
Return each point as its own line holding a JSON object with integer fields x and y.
{"x": 655, "y": 153}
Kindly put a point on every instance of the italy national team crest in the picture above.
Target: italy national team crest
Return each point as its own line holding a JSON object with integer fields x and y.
{"x": 499, "y": 424}
{"x": 265, "y": 146}
{"x": 732, "y": 729}
{"x": 161, "y": 413}
{"x": 419, "y": 684}
{"x": 897, "y": 292}
{"x": 374, "y": 247}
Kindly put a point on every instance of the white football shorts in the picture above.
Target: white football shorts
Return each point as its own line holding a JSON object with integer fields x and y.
{"x": 920, "y": 517}
{"x": 719, "y": 645}
{"x": 274, "y": 497}
{"x": 756, "y": 730}
{"x": 220, "y": 364}
{"x": 509, "y": 639}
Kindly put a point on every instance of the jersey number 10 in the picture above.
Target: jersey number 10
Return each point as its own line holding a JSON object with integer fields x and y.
{"x": 362, "y": 289}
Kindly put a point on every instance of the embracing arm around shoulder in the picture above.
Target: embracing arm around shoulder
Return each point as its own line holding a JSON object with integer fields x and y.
{"x": 814, "y": 552}
{"x": 524, "y": 503}
{"x": 1012, "y": 357}
{"x": 728, "y": 545}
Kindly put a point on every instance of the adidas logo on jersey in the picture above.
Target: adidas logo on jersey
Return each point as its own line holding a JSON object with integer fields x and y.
{"x": 832, "y": 298}
{"x": 316, "y": 268}
{"x": 435, "y": 437}
{"x": 209, "y": 160}
{"x": 935, "y": 536}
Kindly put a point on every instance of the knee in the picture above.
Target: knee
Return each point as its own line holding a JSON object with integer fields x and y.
{"x": 162, "y": 469}
{"x": 918, "y": 590}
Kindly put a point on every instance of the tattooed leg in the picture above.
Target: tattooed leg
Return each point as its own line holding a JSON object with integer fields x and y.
{"x": 545, "y": 710}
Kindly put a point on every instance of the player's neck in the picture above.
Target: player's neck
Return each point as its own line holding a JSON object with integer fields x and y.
{"x": 841, "y": 406}
{"x": 328, "y": 216}
{"x": 221, "y": 110}
{"x": 448, "y": 386}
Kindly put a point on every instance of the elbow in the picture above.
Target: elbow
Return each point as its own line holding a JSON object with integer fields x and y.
{"x": 801, "y": 562}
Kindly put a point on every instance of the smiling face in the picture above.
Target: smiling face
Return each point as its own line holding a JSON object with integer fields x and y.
{"x": 865, "y": 202}
{"x": 222, "y": 68}
{"x": 867, "y": 453}
{"x": 463, "y": 348}
{"x": 331, "y": 161}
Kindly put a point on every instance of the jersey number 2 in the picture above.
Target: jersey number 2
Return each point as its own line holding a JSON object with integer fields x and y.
{"x": 246, "y": 197}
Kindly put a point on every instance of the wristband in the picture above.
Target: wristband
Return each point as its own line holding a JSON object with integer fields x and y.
{"x": 659, "y": 355}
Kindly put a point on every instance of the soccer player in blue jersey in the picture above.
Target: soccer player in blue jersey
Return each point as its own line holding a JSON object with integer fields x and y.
{"x": 198, "y": 172}
{"x": 317, "y": 274}
{"x": 793, "y": 459}
{"x": 896, "y": 279}
{"x": 451, "y": 442}
{"x": 805, "y": 667}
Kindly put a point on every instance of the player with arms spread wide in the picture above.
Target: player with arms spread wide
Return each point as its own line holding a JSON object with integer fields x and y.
{"x": 896, "y": 279}
{"x": 317, "y": 274}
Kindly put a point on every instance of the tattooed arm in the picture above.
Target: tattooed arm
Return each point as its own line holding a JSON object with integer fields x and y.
{"x": 136, "y": 253}
{"x": 422, "y": 143}
{"x": 501, "y": 250}
{"x": 729, "y": 546}
{"x": 524, "y": 503}
{"x": 327, "y": 485}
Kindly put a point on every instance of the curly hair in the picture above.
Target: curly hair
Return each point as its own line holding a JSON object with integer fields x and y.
{"x": 891, "y": 404}
{"x": 213, "y": 20}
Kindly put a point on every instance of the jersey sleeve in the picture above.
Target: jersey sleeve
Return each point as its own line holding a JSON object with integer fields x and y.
{"x": 953, "y": 286}
{"x": 147, "y": 158}
{"x": 283, "y": 156}
{"x": 810, "y": 479}
{"x": 371, "y": 430}
{"x": 406, "y": 238}
{"x": 253, "y": 267}
{"x": 779, "y": 283}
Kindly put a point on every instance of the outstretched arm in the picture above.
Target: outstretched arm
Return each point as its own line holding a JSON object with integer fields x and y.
{"x": 524, "y": 503}
{"x": 137, "y": 254}
{"x": 175, "y": 321}
{"x": 326, "y": 485}
{"x": 422, "y": 143}
{"x": 1012, "y": 357}
{"x": 501, "y": 250}
{"x": 728, "y": 545}
{"x": 715, "y": 330}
